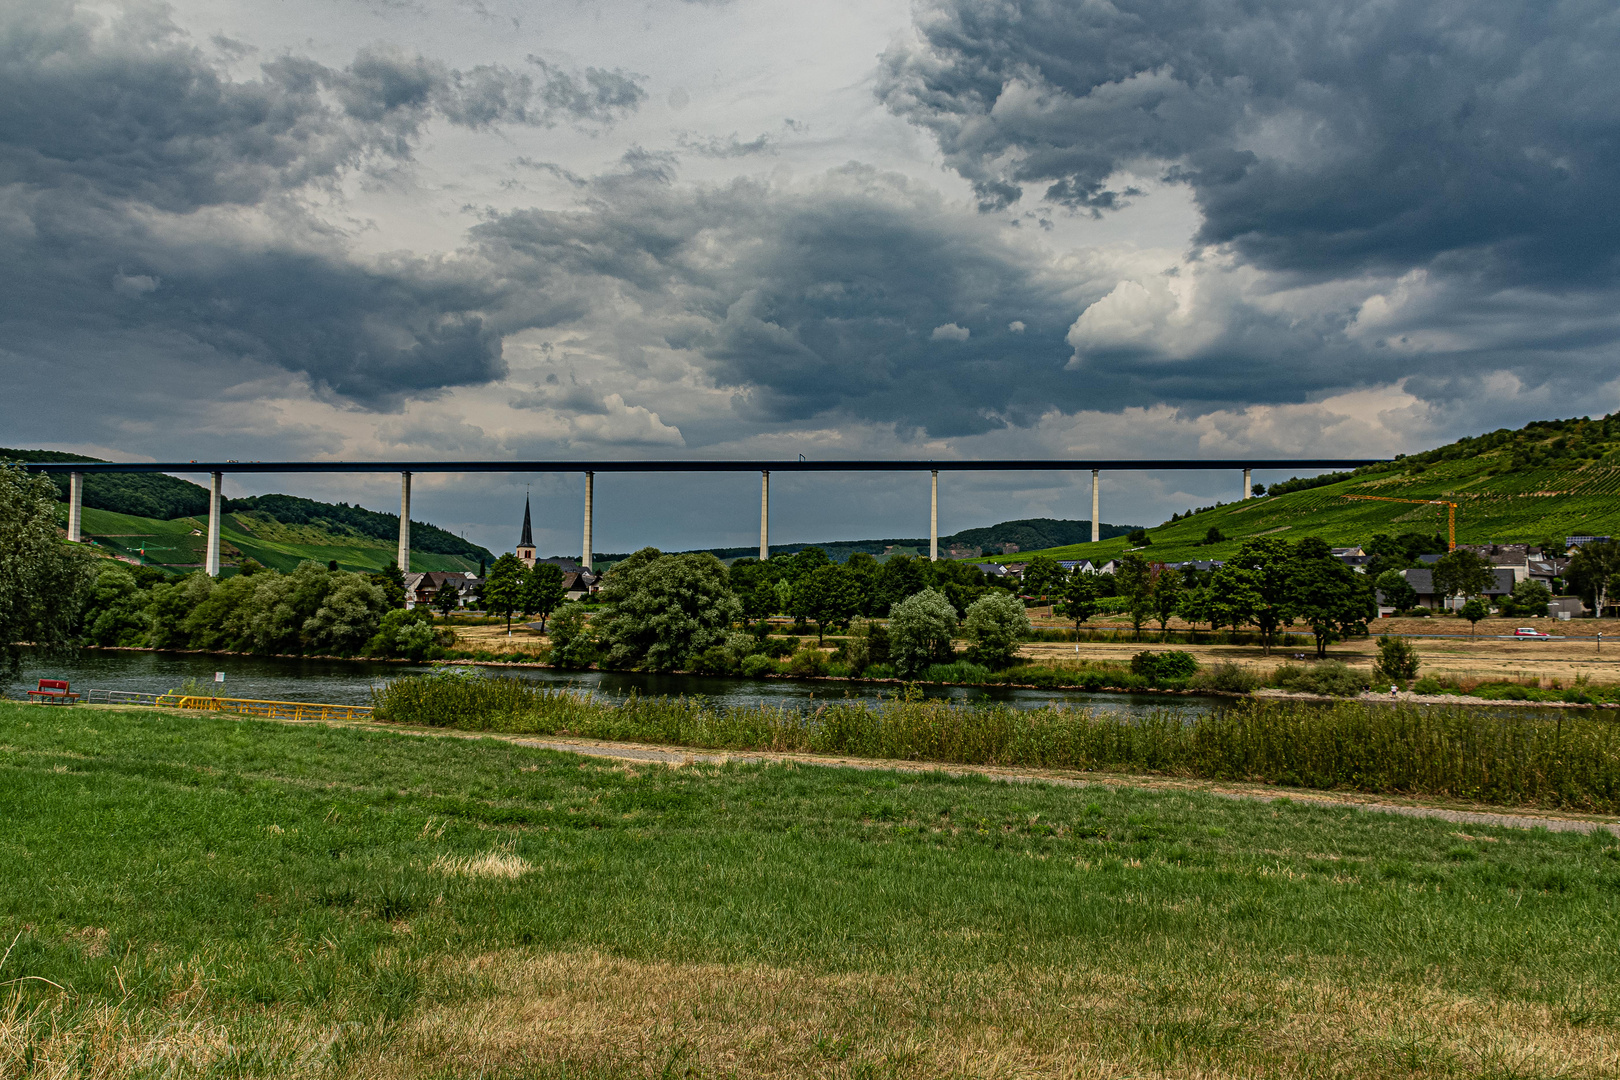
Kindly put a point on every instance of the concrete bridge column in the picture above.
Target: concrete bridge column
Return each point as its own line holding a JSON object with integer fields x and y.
{"x": 764, "y": 515}
{"x": 1096, "y": 522}
{"x": 404, "y": 559}
{"x": 76, "y": 507}
{"x": 590, "y": 494}
{"x": 211, "y": 552}
{"x": 1248, "y": 483}
{"x": 933, "y": 521}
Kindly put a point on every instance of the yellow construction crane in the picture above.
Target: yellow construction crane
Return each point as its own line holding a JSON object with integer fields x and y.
{"x": 1451, "y": 514}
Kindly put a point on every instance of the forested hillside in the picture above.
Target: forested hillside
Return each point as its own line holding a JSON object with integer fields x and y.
{"x": 1547, "y": 480}
{"x": 158, "y": 513}
{"x": 1026, "y": 533}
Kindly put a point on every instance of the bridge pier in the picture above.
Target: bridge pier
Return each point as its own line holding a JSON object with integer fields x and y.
{"x": 76, "y": 507}
{"x": 211, "y": 551}
{"x": 404, "y": 558}
{"x": 1096, "y": 523}
{"x": 1248, "y": 483}
{"x": 764, "y": 515}
{"x": 590, "y": 498}
{"x": 933, "y": 521}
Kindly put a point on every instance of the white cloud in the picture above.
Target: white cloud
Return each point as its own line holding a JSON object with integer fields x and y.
{"x": 950, "y": 332}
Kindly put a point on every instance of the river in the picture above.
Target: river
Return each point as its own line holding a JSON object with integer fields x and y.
{"x": 349, "y": 682}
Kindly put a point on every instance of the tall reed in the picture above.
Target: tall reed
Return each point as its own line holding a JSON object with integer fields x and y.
{"x": 1393, "y": 749}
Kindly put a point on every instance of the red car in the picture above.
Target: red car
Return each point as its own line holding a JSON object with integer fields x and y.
{"x": 1529, "y": 632}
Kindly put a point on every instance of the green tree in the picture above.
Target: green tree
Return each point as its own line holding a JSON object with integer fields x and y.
{"x": 1167, "y": 594}
{"x": 920, "y": 632}
{"x": 1474, "y": 610}
{"x": 1214, "y": 535}
{"x": 1590, "y": 569}
{"x": 115, "y": 611}
{"x": 754, "y": 582}
{"x": 1135, "y": 579}
{"x": 995, "y": 623}
{"x": 1080, "y": 597}
{"x": 349, "y": 616}
{"x": 1462, "y": 573}
{"x": 1397, "y": 660}
{"x": 1397, "y": 591}
{"x": 897, "y": 578}
{"x": 503, "y": 588}
{"x": 1529, "y": 598}
{"x": 543, "y": 591}
{"x": 828, "y": 595}
{"x": 1138, "y": 538}
{"x": 962, "y": 583}
{"x": 44, "y": 582}
{"x": 1332, "y": 598}
{"x": 664, "y": 610}
{"x": 574, "y": 643}
{"x": 446, "y": 599}
{"x": 1197, "y": 605}
{"x": 1043, "y": 577}
{"x": 391, "y": 580}
{"x": 1255, "y": 587}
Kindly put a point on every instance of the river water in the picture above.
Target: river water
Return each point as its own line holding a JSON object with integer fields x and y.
{"x": 349, "y": 682}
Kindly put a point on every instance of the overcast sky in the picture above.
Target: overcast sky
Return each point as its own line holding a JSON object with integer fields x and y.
{"x": 960, "y": 228}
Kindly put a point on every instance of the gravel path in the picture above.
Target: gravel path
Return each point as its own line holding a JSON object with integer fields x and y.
{"x": 637, "y": 752}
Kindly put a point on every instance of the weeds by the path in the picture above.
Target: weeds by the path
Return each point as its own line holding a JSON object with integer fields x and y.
{"x": 1454, "y": 752}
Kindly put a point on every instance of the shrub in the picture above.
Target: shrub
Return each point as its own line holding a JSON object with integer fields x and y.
{"x": 757, "y": 665}
{"x": 1428, "y": 685}
{"x": 573, "y": 640}
{"x": 961, "y": 671}
{"x": 1397, "y": 660}
{"x": 1173, "y": 664}
{"x": 776, "y": 648}
{"x": 453, "y": 698}
{"x": 1230, "y": 678}
{"x": 920, "y": 629}
{"x": 715, "y": 660}
{"x": 1329, "y": 677}
{"x": 995, "y": 623}
{"x": 809, "y": 661}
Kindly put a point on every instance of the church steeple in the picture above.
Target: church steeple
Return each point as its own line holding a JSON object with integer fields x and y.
{"x": 525, "y": 547}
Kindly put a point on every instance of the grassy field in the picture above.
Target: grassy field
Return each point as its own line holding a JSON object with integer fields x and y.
{"x": 171, "y": 544}
{"x": 192, "y": 895}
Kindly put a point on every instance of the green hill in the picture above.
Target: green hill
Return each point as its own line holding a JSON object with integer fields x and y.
{"x": 177, "y": 545}
{"x": 167, "y": 517}
{"x": 1025, "y": 534}
{"x": 1551, "y": 478}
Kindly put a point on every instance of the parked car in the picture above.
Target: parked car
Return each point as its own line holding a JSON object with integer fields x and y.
{"x": 1529, "y": 632}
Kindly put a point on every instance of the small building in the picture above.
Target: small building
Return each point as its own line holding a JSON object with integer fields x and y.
{"x": 1422, "y": 582}
{"x": 423, "y": 588}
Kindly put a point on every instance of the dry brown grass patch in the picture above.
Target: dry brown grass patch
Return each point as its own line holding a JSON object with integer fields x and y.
{"x": 499, "y": 863}
{"x": 515, "y": 1009}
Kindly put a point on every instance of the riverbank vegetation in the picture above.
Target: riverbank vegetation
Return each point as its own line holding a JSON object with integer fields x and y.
{"x": 244, "y": 898}
{"x": 1409, "y": 750}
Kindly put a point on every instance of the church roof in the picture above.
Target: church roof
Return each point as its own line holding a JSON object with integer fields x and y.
{"x": 527, "y": 540}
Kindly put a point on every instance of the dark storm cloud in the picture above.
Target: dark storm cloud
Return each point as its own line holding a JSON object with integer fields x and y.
{"x": 864, "y": 295}
{"x": 1319, "y": 137}
{"x": 116, "y": 135}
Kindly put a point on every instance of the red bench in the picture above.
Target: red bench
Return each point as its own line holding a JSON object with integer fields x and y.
{"x": 53, "y": 692}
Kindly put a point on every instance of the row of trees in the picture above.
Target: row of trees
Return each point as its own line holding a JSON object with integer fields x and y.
{"x": 666, "y": 612}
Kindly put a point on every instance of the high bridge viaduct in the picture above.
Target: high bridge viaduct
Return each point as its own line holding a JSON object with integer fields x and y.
{"x": 217, "y": 470}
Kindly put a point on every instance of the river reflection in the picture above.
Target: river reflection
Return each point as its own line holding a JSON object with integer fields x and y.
{"x": 349, "y": 682}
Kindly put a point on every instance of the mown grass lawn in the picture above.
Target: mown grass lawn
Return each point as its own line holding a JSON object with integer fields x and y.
{"x": 197, "y": 895}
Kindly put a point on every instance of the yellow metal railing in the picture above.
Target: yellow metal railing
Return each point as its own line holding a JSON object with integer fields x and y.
{"x": 269, "y": 710}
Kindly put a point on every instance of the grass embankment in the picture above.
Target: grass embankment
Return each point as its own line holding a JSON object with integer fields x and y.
{"x": 196, "y": 895}
{"x": 1412, "y": 750}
